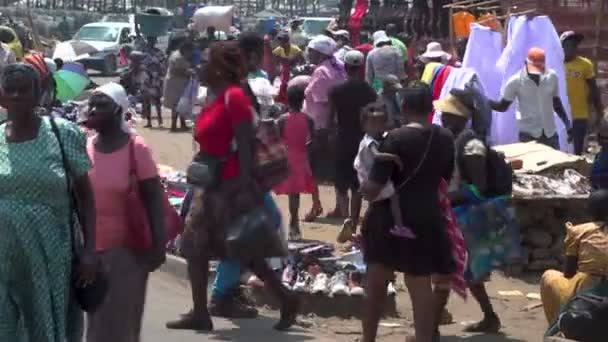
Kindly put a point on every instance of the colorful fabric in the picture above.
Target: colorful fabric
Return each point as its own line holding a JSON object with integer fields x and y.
{"x": 491, "y": 233}
{"x": 111, "y": 183}
{"x": 356, "y": 20}
{"x": 589, "y": 243}
{"x": 578, "y": 72}
{"x": 35, "y": 249}
{"x": 296, "y": 135}
{"x": 429, "y": 71}
{"x": 440, "y": 81}
{"x": 599, "y": 170}
{"x": 459, "y": 249}
{"x": 152, "y": 71}
{"x": 462, "y": 23}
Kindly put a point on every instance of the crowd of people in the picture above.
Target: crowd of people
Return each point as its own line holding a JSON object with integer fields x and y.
{"x": 363, "y": 118}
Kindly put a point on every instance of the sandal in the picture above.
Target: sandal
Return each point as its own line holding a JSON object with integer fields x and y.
{"x": 313, "y": 214}
{"x": 190, "y": 321}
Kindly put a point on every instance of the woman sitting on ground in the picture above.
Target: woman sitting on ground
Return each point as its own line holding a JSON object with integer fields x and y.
{"x": 586, "y": 259}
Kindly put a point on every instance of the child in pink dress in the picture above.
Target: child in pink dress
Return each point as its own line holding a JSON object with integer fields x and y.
{"x": 296, "y": 130}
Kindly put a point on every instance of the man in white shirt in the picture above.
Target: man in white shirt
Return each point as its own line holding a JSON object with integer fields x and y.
{"x": 537, "y": 92}
{"x": 383, "y": 60}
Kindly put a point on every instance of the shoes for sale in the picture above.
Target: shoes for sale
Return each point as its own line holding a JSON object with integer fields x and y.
{"x": 338, "y": 284}
{"x": 303, "y": 283}
{"x": 390, "y": 290}
{"x": 321, "y": 284}
{"x": 354, "y": 283}
{"x": 287, "y": 277}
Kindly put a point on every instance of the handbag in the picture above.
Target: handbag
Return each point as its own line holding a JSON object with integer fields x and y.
{"x": 90, "y": 297}
{"x": 584, "y": 318}
{"x": 253, "y": 235}
{"x": 140, "y": 235}
{"x": 205, "y": 170}
{"x": 271, "y": 165}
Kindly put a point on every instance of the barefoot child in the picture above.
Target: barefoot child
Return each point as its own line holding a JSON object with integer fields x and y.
{"x": 374, "y": 120}
{"x": 296, "y": 130}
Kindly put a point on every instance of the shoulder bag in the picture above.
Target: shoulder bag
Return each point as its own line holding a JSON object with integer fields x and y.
{"x": 89, "y": 298}
{"x": 140, "y": 236}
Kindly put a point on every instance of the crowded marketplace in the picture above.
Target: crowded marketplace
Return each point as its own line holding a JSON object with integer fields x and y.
{"x": 249, "y": 172}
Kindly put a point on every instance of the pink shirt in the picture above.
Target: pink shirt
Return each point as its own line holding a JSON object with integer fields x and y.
{"x": 323, "y": 80}
{"x": 111, "y": 181}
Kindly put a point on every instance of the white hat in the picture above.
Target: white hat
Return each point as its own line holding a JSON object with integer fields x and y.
{"x": 354, "y": 58}
{"x": 323, "y": 44}
{"x": 116, "y": 92}
{"x": 381, "y": 37}
{"x": 434, "y": 50}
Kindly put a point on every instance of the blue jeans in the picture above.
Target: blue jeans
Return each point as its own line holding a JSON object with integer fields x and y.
{"x": 579, "y": 132}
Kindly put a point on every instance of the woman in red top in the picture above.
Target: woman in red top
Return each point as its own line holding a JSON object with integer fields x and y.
{"x": 225, "y": 123}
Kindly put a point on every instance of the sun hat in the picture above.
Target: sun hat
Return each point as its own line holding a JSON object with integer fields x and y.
{"x": 354, "y": 58}
{"x": 571, "y": 35}
{"x": 341, "y": 33}
{"x": 116, "y": 92}
{"x": 434, "y": 50}
{"x": 323, "y": 44}
{"x": 381, "y": 37}
{"x": 536, "y": 60}
{"x": 391, "y": 81}
{"x": 451, "y": 104}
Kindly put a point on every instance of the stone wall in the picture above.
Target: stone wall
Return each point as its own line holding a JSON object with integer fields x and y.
{"x": 542, "y": 224}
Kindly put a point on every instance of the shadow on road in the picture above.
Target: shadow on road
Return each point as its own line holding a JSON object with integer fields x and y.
{"x": 260, "y": 329}
{"x": 480, "y": 338}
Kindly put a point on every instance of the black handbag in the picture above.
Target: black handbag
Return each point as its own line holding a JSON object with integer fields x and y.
{"x": 584, "y": 318}
{"x": 253, "y": 236}
{"x": 89, "y": 298}
{"x": 204, "y": 170}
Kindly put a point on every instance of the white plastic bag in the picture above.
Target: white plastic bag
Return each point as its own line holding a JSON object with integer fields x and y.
{"x": 185, "y": 105}
{"x": 219, "y": 17}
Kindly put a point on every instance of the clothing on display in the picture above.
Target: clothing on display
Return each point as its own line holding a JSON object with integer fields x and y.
{"x": 462, "y": 23}
{"x": 524, "y": 34}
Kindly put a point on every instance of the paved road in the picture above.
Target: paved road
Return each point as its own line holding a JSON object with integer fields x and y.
{"x": 167, "y": 298}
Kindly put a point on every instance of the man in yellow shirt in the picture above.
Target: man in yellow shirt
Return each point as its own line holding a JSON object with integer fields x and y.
{"x": 286, "y": 51}
{"x": 582, "y": 89}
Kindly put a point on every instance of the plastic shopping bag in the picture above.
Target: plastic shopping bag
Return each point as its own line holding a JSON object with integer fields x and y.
{"x": 185, "y": 105}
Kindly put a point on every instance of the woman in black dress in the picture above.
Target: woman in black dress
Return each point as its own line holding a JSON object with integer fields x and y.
{"x": 427, "y": 153}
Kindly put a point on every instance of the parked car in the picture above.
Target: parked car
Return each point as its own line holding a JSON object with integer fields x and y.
{"x": 106, "y": 38}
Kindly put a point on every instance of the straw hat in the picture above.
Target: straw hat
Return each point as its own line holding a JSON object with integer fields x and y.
{"x": 451, "y": 104}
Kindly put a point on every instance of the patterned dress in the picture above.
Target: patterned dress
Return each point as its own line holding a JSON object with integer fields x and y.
{"x": 154, "y": 68}
{"x": 35, "y": 251}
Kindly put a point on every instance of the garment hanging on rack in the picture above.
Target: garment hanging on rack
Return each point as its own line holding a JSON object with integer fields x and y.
{"x": 462, "y": 23}
{"x": 484, "y": 48}
{"x": 490, "y": 20}
{"x": 524, "y": 34}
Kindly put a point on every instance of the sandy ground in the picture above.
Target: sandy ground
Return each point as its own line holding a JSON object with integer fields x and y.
{"x": 520, "y": 324}
{"x": 522, "y": 318}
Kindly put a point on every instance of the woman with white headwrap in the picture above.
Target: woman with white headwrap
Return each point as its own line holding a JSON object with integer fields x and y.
{"x": 329, "y": 73}
{"x": 118, "y": 159}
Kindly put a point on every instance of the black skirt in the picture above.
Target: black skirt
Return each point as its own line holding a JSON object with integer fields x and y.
{"x": 430, "y": 253}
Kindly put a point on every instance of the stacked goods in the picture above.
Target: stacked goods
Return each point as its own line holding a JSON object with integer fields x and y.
{"x": 219, "y": 17}
{"x": 154, "y": 22}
